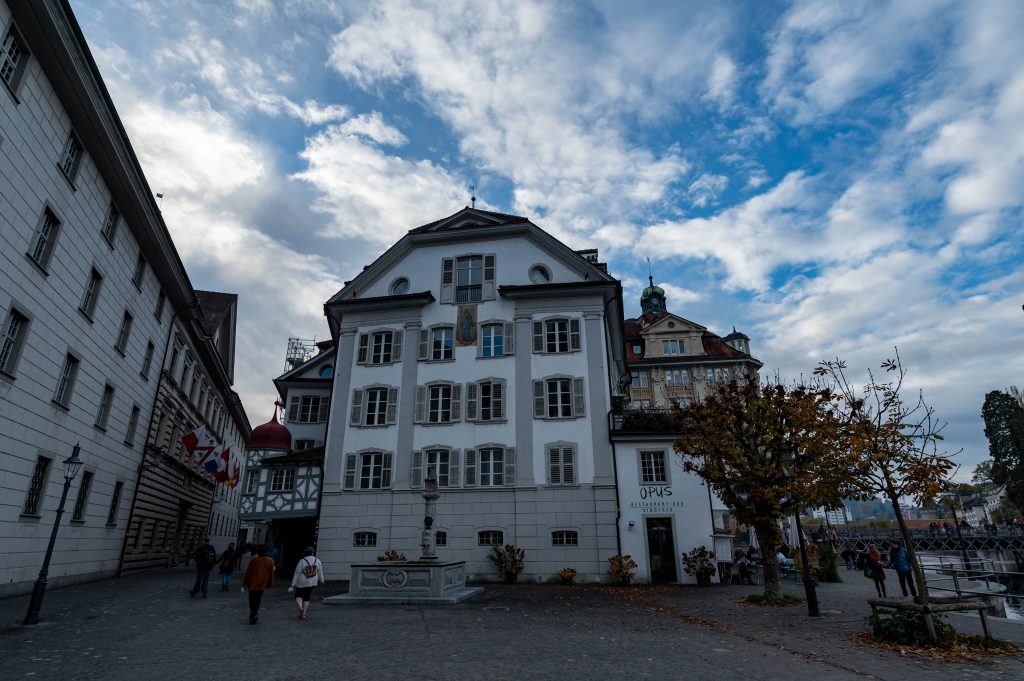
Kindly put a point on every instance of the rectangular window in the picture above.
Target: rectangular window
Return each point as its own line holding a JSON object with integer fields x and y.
{"x": 672, "y": 347}
{"x": 490, "y": 538}
{"x": 565, "y": 538}
{"x": 439, "y": 407}
{"x": 109, "y": 230}
{"x": 308, "y": 409}
{"x": 559, "y": 391}
{"x": 441, "y": 461}
{"x": 558, "y": 398}
{"x": 492, "y": 340}
{"x": 71, "y": 157}
{"x": 469, "y": 279}
{"x": 492, "y": 467}
{"x": 44, "y": 239}
{"x": 36, "y": 486}
{"x": 115, "y": 502}
{"x": 381, "y": 351}
{"x": 92, "y": 293}
{"x": 637, "y": 349}
{"x": 147, "y": 361}
{"x": 159, "y": 311}
{"x": 252, "y": 479}
{"x": 140, "y": 271}
{"x": 364, "y": 539}
{"x": 133, "y": 425}
{"x": 719, "y": 375}
{"x": 652, "y": 468}
{"x": 442, "y": 342}
{"x": 556, "y": 336}
{"x": 14, "y": 331}
{"x": 103, "y": 413}
{"x": 561, "y": 464}
{"x": 282, "y": 480}
{"x": 66, "y": 382}
{"x": 677, "y": 377}
{"x": 186, "y": 369}
{"x": 485, "y": 401}
{"x": 78, "y": 515}
{"x": 640, "y": 379}
{"x": 440, "y": 538}
{"x": 376, "y": 407}
{"x": 375, "y": 471}
{"x": 300, "y": 445}
{"x": 13, "y": 58}
{"x": 124, "y": 332}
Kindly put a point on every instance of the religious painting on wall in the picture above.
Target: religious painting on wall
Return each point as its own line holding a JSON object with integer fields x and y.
{"x": 465, "y": 327}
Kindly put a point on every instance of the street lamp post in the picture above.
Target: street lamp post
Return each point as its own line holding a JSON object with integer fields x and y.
{"x": 71, "y": 466}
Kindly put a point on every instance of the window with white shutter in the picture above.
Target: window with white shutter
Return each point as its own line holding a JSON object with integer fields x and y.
{"x": 416, "y": 475}
{"x": 371, "y": 471}
{"x": 485, "y": 400}
{"x": 438, "y": 403}
{"x": 556, "y": 336}
{"x": 561, "y": 459}
{"x": 559, "y": 397}
{"x": 380, "y": 347}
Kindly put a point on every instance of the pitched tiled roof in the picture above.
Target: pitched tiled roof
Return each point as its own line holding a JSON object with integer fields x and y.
{"x": 215, "y": 307}
{"x": 715, "y": 347}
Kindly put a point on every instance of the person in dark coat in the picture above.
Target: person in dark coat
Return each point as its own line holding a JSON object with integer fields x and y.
{"x": 227, "y": 566}
{"x": 206, "y": 558}
{"x": 900, "y": 562}
{"x": 873, "y": 569}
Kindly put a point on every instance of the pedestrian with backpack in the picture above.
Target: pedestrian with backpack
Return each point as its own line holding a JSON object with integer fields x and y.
{"x": 206, "y": 558}
{"x": 308, "y": 574}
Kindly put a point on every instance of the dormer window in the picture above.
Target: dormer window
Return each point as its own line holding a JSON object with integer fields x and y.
{"x": 467, "y": 279}
{"x": 673, "y": 347}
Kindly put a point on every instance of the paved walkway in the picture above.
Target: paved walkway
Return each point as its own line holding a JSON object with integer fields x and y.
{"x": 145, "y": 626}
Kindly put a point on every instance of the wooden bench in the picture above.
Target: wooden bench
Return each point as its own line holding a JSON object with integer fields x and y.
{"x": 927, "y": 610}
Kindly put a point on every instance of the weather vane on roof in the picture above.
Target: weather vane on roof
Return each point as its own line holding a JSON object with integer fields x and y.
{"x": 472, "y": 198}
{"x": 650, "y": 272}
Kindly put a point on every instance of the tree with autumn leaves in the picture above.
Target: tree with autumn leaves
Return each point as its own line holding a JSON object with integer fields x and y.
{"x": 771, "y": 450}
{"x": 768, "y": 451}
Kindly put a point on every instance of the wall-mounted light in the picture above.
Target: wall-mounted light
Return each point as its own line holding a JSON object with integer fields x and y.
{"x": 632, "y": 524}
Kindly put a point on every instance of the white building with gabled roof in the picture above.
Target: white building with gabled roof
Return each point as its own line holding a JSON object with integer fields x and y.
{"x": 479, "y": 346}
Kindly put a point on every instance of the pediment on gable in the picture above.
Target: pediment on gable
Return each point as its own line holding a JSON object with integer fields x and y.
{"x": 670, "y": 324}
{"x": 310, "y": 369}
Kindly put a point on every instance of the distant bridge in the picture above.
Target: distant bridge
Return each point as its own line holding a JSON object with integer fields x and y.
{"x": 924, "y": 540}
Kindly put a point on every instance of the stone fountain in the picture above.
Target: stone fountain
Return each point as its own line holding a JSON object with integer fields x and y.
{"x": 427, "y": 581}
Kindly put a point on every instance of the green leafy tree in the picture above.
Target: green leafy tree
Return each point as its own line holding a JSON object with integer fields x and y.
{"x": 892, "y": 444}
{"x": 768, "y": 451}
{"x": 1003, "y": 413}
{"x": 982, "y": 475}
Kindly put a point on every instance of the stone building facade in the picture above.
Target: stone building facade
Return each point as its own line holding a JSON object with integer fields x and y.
{"x": 481, "y": 347}
{"x": 89, "y": 284}
{"x": 177, "y": 502}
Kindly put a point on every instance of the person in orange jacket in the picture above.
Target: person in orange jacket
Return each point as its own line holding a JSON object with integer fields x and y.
{"x": 259, "y": 576}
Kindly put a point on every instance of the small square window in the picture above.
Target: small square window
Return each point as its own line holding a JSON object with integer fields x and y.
{"x": 652, "y": 468}
{"x": 283, "y": 480}
{"x": 490, "y": 538}
{"x": 364, "y": 539}
{"x": 440, "y": 538}
{"x": 565, "y": 538}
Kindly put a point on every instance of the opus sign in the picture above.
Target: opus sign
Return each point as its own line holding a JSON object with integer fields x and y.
{"x": 656, "y": 497}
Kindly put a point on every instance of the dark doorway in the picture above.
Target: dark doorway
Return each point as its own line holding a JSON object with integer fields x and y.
{"x": 661, "y": 550}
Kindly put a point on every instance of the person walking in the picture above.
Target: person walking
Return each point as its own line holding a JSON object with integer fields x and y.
{"x": 259, "y": 576}
{"x": 206, "y": 558}
{"x": 227, "y": 566}
{"x": 308, "y": 574}
{"x": 900, "y": 562}
{"x": 873, "y": 569}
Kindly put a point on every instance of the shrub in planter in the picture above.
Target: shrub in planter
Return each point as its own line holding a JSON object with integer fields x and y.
{"x": 907, "y": 627}
{"x": 509, "y": 560}
{"x": 391, "y": 555}
{"x": 621, "y": 568}
{"x": 567, "y": 575}
{"x": 700, "y": 563}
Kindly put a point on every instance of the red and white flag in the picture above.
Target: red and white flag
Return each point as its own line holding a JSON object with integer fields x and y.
{"x": 234, "y": 472}
{"x": 199, "y": 443}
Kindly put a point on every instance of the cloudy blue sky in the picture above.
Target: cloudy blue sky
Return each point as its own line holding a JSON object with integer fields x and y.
{"x": 833, "y": 178}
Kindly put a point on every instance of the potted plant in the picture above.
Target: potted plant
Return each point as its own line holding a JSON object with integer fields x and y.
{"x": 391, "y": 555}
{"x": 621, "y": 568}
{"x": 700, "y": 562}
{"x": 567, "y": 574}
{"x": 509, "y": 561}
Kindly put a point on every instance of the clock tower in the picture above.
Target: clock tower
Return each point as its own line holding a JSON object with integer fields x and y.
{"x": 652, "y": 300}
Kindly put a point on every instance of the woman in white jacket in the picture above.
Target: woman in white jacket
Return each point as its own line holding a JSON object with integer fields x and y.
{"x": 308, "y": 574}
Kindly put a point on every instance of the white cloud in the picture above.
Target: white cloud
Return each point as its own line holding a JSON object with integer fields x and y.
{"x": 373, "y": 127}
{"x": 705, "y": 189}
{"x": 722, "y": 80}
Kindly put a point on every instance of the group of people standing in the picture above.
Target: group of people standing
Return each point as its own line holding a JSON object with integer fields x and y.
{"x": 259, "y": 575}
{"x": 873, "y": 565}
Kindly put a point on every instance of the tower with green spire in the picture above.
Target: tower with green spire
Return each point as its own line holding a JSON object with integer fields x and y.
{"x": 652, "y": 300}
